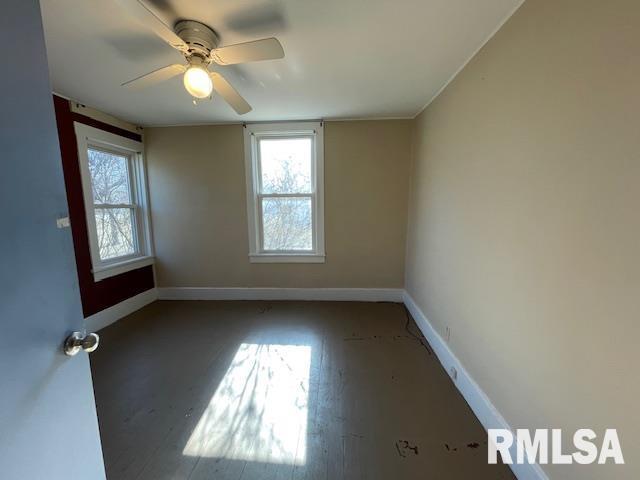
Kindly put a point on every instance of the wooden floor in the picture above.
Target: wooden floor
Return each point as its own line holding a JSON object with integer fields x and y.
{"x": 280, "y": 390}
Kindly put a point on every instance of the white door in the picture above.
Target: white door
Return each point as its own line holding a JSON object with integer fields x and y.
{"x": 48, "y": 424}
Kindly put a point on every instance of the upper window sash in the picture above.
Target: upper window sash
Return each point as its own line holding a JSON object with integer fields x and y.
{"x": 132, "y": 171}
{"x": 256, "y": 142}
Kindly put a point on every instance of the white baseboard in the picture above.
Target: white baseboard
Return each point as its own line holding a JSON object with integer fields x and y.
{"x": 114, "y": 313}
{"x": 326, "y": 294}
{"x": 471, "y": 391}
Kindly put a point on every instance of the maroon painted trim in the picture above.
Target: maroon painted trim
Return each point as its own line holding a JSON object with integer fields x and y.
{"x": 96, "y": 296}
{"x": 92, "y": 122}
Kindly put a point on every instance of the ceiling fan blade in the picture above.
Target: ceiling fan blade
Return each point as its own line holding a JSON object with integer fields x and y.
{"x": 157, "y": 76}
{"x": 140, "y": 11}
{"x": 226, "y": 91}
{"x": 265, "y": 49}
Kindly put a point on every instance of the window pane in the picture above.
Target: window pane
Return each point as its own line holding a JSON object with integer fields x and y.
{"x": 115, "y": 232}
{"x": 287, "y": 223}
{"x": 109, "y": 177}
{"x": 285, "y": 165}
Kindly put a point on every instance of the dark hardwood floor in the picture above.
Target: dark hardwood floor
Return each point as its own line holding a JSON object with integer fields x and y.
{"x": 280, "y": 390}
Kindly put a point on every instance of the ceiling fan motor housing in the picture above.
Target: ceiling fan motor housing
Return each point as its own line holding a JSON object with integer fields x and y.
{"x": 200, "y": 38}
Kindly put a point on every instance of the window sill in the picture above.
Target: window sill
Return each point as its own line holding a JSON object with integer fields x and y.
{"x": 286, "y": 258}
{"x": 114, "y": 269}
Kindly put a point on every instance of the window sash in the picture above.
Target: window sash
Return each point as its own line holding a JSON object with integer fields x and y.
{"x": 137, "y": 243}
{"x": 283, "y": 136}
{"x": 260, "y": 216}
{"x": 119, "y": 153}
{"x": 258, "y": 196}
{"x": 133, "y": 196}
{"x": 131, "y": 174}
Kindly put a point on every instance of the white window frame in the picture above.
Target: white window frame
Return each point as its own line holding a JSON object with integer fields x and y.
{"x": 88, "y": 137}
{"x": 252, "y": 134}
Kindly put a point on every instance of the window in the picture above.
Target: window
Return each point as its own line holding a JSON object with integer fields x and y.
{"x": 114, "y": 188}
{"x": 284, "y": 164}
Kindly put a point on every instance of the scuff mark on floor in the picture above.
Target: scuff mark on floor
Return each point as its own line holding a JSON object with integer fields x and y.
{"x": 265, "y": 309}
{"x": 471, "y": 445}
{"x": 405, "y": 448}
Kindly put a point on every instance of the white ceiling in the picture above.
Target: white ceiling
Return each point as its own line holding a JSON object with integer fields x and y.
{"x": 344, "y": 58}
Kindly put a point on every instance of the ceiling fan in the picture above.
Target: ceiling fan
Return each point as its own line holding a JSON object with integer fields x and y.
{"x": 199, "y": 45}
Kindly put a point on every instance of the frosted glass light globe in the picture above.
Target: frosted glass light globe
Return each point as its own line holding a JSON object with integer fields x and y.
{"x": 197, "y": 82}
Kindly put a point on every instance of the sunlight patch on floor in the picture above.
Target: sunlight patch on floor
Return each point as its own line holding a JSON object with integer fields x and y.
{"x": 259, "y": 411}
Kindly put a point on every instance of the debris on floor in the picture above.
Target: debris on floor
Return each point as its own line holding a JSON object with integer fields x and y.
{"x": 405, "y": 448}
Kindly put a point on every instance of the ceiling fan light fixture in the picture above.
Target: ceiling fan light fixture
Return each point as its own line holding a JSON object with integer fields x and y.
{"x": 200, "y": 46}
{"x": 198, "y": 82}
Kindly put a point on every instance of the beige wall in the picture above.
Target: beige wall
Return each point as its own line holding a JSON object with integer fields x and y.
{"x": 524, "y": 224}
{"x": 199, "y": 215}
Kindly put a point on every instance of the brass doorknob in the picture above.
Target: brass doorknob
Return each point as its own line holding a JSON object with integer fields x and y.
{"x": 78, "y": 341}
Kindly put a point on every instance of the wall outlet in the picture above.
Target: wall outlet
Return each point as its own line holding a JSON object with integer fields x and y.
{"x": 447, "y": 334}
{"x": 454, "y": 373}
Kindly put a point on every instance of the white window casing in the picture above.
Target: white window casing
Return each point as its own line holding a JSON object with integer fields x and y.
{"x": 253, "y": 133}
{"x": 96, "y": 139}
